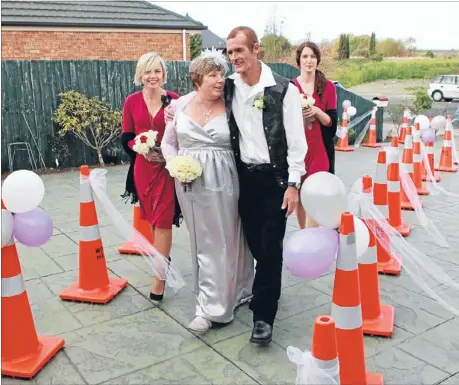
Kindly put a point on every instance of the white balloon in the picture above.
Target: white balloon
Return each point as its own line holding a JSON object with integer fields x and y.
{"x": 7, "y": 227}
{"x": 438, "y": 123}
{"x": 22, "y": 191}
{"x": 362, "y": 236}
{"x": 351, "y": 111}
{"x": 323, "y": 196}
{"x": 353, "y": 205}
{"x": 346, "y": 104}
{"x": 424, "y": 122}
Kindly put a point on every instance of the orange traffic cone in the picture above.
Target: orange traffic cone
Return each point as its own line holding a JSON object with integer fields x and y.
{"x": 343, "y": 143}
{"x": 446, "y": 156}
{"x": 24, "y": 353}
{"x": 391, "y": 173}
{"x": 407, "y": 168}
{"x": 347, "y": 311}
{"x": 93, "y": 285}
{"x": 403, "y": 126}
{"x": 378, "y": 319}
{"x": 417, "y": 162}
{"x": 431, "y": 159}
{"x": 387, "y": 263}
{"x": 371, "y": 141}
{"x": 143, "y": 227}
{"x": 323, "y": 347}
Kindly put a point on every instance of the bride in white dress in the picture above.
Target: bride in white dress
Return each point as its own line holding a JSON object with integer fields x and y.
{"x": 222, "y": 263}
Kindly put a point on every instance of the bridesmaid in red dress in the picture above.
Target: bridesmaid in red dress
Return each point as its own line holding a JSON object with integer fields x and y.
{"x": 322, "y": 116}
{"x": 151, "y": 182}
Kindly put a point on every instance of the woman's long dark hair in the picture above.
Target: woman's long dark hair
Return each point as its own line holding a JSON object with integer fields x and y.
{"x": 320, "y": 79}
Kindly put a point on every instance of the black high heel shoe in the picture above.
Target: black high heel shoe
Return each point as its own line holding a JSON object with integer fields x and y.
{"x": 159, "y": 297}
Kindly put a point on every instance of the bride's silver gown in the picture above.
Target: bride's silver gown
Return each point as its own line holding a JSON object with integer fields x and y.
{"x": 222, "y": 263}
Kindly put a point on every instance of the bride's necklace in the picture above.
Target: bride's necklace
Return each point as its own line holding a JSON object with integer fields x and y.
{"x": 208, "y": 113}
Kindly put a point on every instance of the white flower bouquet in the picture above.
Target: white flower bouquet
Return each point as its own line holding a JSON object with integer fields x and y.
{"x": 307, "y": 102}
{"x": 185, "y": 169}
{"x": 146, "y": 142}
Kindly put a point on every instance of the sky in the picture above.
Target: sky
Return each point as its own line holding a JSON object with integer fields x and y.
{"x": 430, "y": 23}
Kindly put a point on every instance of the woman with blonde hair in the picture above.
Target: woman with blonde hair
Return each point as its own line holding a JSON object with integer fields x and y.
{"x": 148, "y": 181}
{"x": 222, "y": 264}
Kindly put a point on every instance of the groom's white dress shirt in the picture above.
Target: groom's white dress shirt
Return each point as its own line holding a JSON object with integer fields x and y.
{"x": 252, "y": 139}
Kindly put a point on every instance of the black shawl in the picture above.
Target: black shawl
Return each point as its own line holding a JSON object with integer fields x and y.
{"x": 328, "y": 133}
{"x": 130, "y": 190}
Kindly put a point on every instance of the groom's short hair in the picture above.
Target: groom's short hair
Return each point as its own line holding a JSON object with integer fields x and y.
{"x": 249, "y": 33}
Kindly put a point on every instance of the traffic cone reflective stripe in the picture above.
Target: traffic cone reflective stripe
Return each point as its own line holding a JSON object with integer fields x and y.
{"x": 93, "y": 285}
{"x": 24, "y": 353}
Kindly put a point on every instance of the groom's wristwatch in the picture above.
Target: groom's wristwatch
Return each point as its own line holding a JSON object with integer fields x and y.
{"x": 294, "y": 184}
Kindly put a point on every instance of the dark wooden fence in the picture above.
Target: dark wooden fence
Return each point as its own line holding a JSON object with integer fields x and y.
{"x": 30, "y": 95}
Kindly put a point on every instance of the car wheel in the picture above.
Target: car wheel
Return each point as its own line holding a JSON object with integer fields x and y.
{"x": 437, "y": 96}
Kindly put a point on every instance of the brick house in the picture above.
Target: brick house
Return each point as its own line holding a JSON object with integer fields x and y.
{"x": 93, "y": 30}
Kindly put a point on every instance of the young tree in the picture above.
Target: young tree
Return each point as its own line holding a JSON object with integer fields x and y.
{"x": 195, "y": 45}
{"x": 90, "y": 120}
{"x": 341, "y": 48}
{"x": 373, "y": 43}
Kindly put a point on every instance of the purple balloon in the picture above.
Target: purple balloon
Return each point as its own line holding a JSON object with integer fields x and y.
{"x": 428, "y": 135}
{"x": 309, "y": 253}
{"x": 33, "y": 228}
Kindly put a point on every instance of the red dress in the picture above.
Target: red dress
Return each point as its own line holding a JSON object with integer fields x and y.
{"x": 316, "y": 158}
{"x": 154, "y": 185}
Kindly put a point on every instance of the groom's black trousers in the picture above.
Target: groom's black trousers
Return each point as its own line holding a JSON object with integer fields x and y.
{"x": 264, "y": 223}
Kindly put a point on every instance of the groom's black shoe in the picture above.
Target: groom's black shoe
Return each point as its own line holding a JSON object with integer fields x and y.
{"x": 262, "y": 333}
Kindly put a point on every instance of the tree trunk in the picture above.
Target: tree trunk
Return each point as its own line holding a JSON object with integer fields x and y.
{"x": 101, "y": 160}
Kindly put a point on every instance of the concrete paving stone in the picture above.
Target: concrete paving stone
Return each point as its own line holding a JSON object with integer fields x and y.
{"x": 58, "y": 371}
{"x": 407, "y": 298}
{"x": 203, "y": 366}
{"x": 35, "y": 263}
{"x": 136, "y": 276}
{"x": 438, "y": 346}
{"x": 128, "y": 302}
{"x": 60, "y": 245}
{"x": 265, "y": 364}
{"x": 298, "y": 298}
{"x": 453, "y": 380}
{"x": 124, "y": 345}
{"x": 53, "y": 318}
{"x": 37, "y": 291}
{"x": 398, "y": 368}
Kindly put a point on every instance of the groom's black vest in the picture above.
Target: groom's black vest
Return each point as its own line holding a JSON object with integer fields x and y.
{"x": 273, "y": 124}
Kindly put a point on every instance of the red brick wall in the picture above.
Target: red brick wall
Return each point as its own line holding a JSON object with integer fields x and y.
{"x": 75, "y": 45}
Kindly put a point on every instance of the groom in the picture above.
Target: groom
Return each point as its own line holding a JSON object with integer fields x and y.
{"x": 268, "y": 139}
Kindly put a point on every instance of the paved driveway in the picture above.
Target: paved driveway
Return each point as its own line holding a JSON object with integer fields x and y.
{"x": 130, "y": 341}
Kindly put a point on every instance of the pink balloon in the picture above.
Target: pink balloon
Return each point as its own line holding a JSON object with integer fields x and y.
{"x": 309, "y": 253}
{"x": 428, "y": 135}
{"x": 33, "y": 228}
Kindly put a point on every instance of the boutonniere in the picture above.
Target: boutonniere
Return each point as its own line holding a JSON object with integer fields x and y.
{"x": 165, "y": 100}
{"x": 259, "y": 102}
